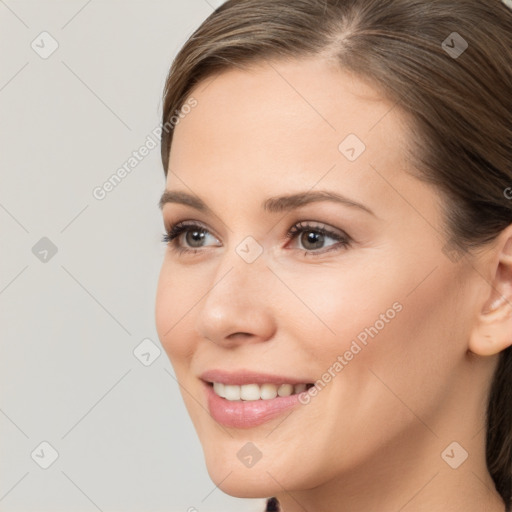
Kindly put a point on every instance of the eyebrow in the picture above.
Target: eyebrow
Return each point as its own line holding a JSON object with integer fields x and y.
{"x": 272, "y": 205}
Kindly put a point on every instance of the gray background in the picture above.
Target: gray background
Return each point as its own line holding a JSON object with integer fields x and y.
{"x": 70, "y": 321}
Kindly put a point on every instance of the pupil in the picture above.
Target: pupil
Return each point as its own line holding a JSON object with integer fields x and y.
{"x": 196, "y": 237}
{"x": 312, "y": 238}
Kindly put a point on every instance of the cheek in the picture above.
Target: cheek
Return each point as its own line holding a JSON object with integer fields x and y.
{"x": 400, "y": 337}
{"x": 342, "y": 304}
{"x": 399, "y": 343}
{"x": 175, "y": 298}
{"x": 387, "y": 329}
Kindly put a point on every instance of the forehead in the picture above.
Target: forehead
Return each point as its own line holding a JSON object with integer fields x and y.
{"x": 283, "y": 125}
{"x": 284, "y": 98}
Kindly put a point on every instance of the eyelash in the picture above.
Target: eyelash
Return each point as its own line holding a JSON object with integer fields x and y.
{"x": 172, "y": 236}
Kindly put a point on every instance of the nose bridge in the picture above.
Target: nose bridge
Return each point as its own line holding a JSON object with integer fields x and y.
{"x": 241, "y": 271}
{"x": 235, "y": 301}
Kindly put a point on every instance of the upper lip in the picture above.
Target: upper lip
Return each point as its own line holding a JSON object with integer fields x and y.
{"x": 241, "y": 377}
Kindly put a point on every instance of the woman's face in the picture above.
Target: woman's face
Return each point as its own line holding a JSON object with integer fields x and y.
{"x": 374, "y": 308}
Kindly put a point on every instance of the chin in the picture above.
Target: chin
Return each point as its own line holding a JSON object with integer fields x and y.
{"x": 227, "y": 470}
{"x": 267, "y": 477}
{"x": 242, "y": 483}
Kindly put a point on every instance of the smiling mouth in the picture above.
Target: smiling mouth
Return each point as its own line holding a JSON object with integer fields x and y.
{"x": 253, "y": 392}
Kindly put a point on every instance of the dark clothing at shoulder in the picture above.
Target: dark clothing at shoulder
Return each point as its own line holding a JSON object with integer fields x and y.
{"x": 272, "y": 505}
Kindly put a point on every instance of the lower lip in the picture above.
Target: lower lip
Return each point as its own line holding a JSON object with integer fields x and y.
{"x": 247, "y": 413}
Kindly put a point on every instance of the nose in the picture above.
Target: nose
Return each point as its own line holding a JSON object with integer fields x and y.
{"x": 236, "y": 308}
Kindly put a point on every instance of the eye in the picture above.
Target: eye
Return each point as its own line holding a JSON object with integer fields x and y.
{"x": 194, "y": 235}
{"x": 312, "y": 237}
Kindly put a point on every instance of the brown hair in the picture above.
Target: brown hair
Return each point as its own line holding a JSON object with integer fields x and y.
{"x": 458, "y": 98}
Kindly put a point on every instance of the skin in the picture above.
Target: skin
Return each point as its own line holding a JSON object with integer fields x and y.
{"x": 372, "y": 438}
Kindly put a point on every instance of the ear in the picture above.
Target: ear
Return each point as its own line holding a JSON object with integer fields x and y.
{"x": 492, "y": 331}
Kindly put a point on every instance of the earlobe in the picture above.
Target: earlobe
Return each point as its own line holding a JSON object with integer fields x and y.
{"x": 492, "y": 332}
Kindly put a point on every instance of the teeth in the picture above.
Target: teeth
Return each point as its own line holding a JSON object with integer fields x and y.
{"x": 231, "y": 392}
{"x": 218, "y": 387}
{"x": 250, "y": 392}
{"x": 268, "y": 391}
{"x": 299, "y": 388}
{"x": 285, "y": 390}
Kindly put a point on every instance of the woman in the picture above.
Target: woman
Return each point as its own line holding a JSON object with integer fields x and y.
{"x": 336, "y": 294}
